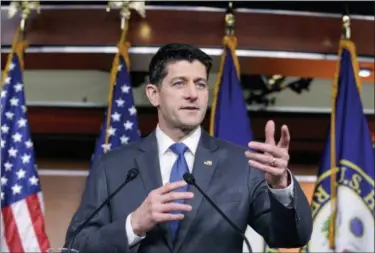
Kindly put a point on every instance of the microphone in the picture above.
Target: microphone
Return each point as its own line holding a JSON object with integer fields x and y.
{"x": 132, "y": 174}
{"x": 189, "y": 178}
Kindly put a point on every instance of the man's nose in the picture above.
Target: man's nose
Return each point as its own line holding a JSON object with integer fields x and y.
{"x": 191, "y": 92}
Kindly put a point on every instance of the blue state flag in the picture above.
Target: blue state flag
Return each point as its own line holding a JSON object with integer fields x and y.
{"x": 120, "y": 125}
{"x": 229, "y": 115}
{"x": 230, "y": 120}
{"x": 343, "y": 201}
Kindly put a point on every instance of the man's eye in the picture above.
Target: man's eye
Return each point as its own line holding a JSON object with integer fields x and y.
{"x": 201, "y": 85}
{"x": 179, "y": 83}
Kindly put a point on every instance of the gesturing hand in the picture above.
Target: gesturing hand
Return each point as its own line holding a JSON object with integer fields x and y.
{"x": 275, "y": 158}
{"x": 157, "y": 206}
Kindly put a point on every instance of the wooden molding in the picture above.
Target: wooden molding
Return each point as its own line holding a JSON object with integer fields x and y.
{"x": 68, "y": 120}
{"x": 254, "y": 31}
{"x": 56, "y": 27}
{"x": 308, "y": 131}
{"x": 249, "y": 65}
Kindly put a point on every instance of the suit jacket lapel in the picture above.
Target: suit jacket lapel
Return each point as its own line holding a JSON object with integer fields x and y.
{"x": 148, "y": 162}
{"x": 204, "y": 166}
{"x": 149, "y": 166}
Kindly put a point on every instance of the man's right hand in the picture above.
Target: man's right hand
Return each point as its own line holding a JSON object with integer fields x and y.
{"x": 157, "y": 206}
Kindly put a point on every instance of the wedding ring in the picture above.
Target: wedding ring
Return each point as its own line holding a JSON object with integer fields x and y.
{"x": 273, "y": 162}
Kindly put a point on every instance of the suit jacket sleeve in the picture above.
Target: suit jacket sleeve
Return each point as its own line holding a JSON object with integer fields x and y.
{"x": 281, "y": 226}
{"x": 101, "y": 234}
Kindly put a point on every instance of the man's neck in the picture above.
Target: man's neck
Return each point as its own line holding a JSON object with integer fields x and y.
{"x": 177, "y": 134}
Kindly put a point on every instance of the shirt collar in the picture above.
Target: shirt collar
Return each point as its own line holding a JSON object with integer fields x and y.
{"x": 191, "y": 141}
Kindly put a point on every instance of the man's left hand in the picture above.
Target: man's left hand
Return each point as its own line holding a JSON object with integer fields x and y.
{"x": 273, "y": 159}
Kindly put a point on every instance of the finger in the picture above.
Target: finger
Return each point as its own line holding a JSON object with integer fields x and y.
{"x": 170, "y": 187}
{"x": 270, "y": 132}
{"x": 266, "y": 168}
{"x": 270, "y": 149}
{"x": 171, "y": 196}
{"x": 169, "y": 207}
{"x": 164, "y": 217}
{"x": 285, "y": 137}
{"x": 266, "y": 159}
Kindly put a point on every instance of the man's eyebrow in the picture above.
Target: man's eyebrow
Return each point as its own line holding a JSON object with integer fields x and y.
{"x": 200, "y": 79}
{"x": 179, "y": 78}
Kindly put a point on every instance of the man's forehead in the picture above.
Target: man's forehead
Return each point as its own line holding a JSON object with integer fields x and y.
{"x": 193, "y": 69}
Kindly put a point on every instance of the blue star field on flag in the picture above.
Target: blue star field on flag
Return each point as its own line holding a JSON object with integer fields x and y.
{"x": 123, "y": 127}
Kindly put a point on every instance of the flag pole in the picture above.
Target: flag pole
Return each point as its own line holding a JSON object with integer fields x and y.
{"x": 229, "y": 40}
{"x": 10, "y": 56}
{"x": 230, "y": 20}
{"x": 18, "y": 44}
{"x": 115, "y": 64}
{"x": 122, "y": 50}
{"x": 346, "y": 27}
{"x": 332, "y": 226}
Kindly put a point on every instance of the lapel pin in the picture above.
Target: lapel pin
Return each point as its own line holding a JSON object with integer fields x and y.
{"x": 209, "y": 163}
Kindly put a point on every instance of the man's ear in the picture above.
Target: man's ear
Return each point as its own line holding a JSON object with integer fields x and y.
{"x": 152, "y": 92}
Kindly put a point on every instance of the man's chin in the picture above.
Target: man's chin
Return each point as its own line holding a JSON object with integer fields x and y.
{"x": 188, "y": 126}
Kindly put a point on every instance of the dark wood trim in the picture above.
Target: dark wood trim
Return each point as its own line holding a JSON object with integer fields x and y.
{"x": 249, "y": 65}
{"x": 61, "y": 120}
{"x": 79, "y": 127}
{"x": 67, "y": 120}
{"x": 69, "y": 147}
{"x": 257, "y": 31}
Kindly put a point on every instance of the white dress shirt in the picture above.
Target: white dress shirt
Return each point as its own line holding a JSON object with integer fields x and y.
{"x": 167, "y": 158}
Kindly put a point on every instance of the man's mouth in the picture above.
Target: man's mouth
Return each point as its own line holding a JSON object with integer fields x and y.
{"x": 190, "y": 108}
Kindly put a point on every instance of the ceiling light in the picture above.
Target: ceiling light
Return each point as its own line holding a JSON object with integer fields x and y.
{"x": 364, "y": 73}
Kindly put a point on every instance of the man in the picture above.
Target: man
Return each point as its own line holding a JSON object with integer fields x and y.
{"x": 156, "y": 212}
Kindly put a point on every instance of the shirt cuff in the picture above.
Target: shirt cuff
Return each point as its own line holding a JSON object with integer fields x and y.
{"x": 132, "y": 237}
{"x": 285, "y": 195}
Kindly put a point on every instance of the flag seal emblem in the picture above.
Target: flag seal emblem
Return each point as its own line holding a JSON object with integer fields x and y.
{"x": 355, "y": 198}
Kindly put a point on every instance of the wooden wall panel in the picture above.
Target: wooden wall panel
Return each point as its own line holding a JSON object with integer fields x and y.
{"x": 298, "y": 67}
{"x": 62, "y": 195}
{"x": 61, "y": 120}
{"x": 260, "y": 31}
{"x": 249, "y": 65}
{"x": 308, "y": 131}
{"x": 269, "y": 32}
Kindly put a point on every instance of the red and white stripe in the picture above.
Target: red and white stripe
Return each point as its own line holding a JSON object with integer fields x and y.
{"x": 23, "y": 226}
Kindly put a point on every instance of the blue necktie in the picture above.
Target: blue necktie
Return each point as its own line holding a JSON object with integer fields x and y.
{"x": 179, "y": 168}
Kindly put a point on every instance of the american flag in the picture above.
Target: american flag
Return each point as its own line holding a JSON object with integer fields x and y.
{"x": 123, "y": 122}
{"x": 22, "y": 210}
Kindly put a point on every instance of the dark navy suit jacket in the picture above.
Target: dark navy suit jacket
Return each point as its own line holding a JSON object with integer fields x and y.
{"x": 240, "y": 191}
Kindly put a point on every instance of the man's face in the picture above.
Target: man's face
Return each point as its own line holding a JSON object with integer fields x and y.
{"x": 182, "y": 96}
